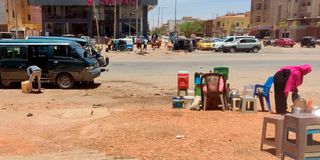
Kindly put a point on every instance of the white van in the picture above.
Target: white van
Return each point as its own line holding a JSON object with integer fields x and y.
{"x": 217, "y": 45}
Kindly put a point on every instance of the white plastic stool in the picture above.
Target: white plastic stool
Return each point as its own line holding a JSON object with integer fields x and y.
{"x": 249, "y": 104}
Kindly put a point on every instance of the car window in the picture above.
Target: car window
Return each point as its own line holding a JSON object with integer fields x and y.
{"x": 62, "y": 51}
{"x": 13, "y": 52}
{"x": 243, "y": 41}
{"x": 229, "y": 40}
{"x": 251, "y": 41}
{"x": 44, "y": 51}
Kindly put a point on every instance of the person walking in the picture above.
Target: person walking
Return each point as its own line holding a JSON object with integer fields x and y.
{"x": 286, "y": 80}
{"x": 34, "y": 72}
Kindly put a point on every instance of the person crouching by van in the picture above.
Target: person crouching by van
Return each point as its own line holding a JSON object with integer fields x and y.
{"x": 286, "y": 80}
{"x": 34, "y": 72}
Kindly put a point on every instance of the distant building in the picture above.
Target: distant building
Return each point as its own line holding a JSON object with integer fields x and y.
{"x": 23, "y": 18}
{"x": 165, "y": 29}
{"x": 231, "y": 24}
{"x": 267, "y": 16}
{"x": 171, "y": 23}
{"x": 3, "y": 16}
{"x": 285, "y": 18}
{"x": 303, "y": 19}
{"x": 77, "y": 17}
{"x": 208, "y": 26}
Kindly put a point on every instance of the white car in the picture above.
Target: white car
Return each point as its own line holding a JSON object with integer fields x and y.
{"x": 217, "y": 45}
{"x": 242, "y": 45}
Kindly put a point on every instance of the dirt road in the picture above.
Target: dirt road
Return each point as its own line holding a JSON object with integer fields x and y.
{"x": 127, "y": 114}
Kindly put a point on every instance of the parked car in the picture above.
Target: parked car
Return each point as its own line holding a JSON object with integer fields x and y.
{"x": 267, "y": 41}
{"x": 62, "y": 62}
{"x": 318, "y": 41}
{"x": 242, "y": 45}
{"x": 309, "y": 42}
{"x": 205, "y": 45}
{"x": 103, "y": 62}
{"x": 284, "y": 42}
{"x": 183, "y": 44}
{"x": 217, "y": 45}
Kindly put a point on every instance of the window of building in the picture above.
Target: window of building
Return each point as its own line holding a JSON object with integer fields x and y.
{"x": 309, "y": 3}
{"x": 13, "y": 14}
{"x": 29, "y": 17}
{"x": 258, "y": 19}
{"x": 258, "y": 6}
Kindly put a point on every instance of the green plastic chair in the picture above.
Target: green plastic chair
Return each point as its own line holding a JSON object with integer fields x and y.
{"x": 222, "y": 70}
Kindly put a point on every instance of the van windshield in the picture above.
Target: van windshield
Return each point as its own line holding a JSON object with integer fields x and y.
{"x": 79, "y": 49}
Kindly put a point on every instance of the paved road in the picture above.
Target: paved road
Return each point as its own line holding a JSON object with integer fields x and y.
{"x": 244, "y": 68}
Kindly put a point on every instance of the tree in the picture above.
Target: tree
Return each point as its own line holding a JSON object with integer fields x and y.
{"x": 157, "y": 31}
{"x": 189, "y": 28}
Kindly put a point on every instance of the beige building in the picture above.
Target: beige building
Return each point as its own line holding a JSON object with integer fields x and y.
{"x": 3, "y": 16}
{"x": 268, "y": 17}
{"x": 26, "y": 18}
{"x": 231, "y": 24}
{"x": 285, "y": 18}
{"x": 304, "y": 18}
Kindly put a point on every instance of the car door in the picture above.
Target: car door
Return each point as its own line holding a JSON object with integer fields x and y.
{"x": 242, "y": 45}
{"x": 67, "y": 60}
{"x": 251, "y": 43}
{"x": 13, "y": 63}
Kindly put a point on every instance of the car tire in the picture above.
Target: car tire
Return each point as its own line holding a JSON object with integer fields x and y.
{"x": 232, "y": 50}
{"x": 65, "y": 81}
{"x": 5, "y": 84}
{"x": 255, "y": 50}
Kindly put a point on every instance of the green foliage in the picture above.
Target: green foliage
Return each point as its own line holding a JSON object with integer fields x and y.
{"x": 189, "y": 28}
{"x": 158, "y": 31}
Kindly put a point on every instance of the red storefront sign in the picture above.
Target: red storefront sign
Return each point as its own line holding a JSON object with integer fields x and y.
{"x": 119, "y": 2}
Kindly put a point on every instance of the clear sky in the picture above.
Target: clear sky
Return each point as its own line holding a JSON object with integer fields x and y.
{"x": 204, "y": 9}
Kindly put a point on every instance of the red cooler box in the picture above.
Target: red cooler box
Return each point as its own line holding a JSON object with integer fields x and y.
{"x": 183, "y": 80}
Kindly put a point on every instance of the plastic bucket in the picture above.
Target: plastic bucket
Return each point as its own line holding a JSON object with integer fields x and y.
{"x": 177, "y": 102}
{"x": 188, "y": 100}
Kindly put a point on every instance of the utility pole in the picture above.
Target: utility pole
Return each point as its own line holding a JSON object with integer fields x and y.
{"x": 14, "y": 7}
{"x": 115, "y": 20}
{"x": 96, "y": 18}
{"x": 175, "y": 16}
{"x": 159, "y": 17}
{"x": 131, "y": 14}
{"x": 137, "y": 21}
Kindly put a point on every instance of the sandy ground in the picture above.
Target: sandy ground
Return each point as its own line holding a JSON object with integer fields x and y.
{"x": 127, "y": 114}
